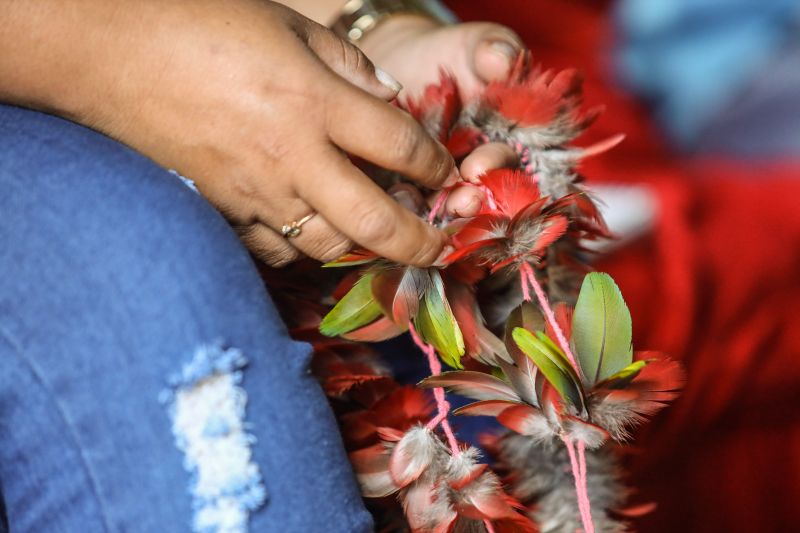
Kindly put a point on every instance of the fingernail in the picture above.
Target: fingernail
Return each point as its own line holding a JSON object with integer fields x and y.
{"x": 477, "y": 180}
{"x": 505, "y": 49}
{"x": 387, "y": 80}
{"x": 453, "y": 178}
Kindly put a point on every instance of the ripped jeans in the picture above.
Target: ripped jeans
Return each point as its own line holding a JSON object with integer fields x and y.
{"x": 147, "y": 383}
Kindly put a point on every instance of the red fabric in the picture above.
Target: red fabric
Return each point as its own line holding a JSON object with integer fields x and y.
{"x": 716, "y": 285}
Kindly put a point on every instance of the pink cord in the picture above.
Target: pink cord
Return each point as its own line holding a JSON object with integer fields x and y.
{"x": 527, "y": 271}
{"x": 438, "y": 393}
{"x": 488, "y": 524}
{"x": 587, "y": 506}
{"x": 488, "y": 196}
{"x": 578, "y": 464}
{"x": 576, "y": 471}
{"x": 579, "y": 474}
{"x": 437, "y": 206}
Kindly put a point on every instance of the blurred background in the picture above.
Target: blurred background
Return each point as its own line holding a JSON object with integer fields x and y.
{"x": 708, "y": 94}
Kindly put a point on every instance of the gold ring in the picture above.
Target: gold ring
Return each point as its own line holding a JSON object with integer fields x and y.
{"x": 294, "y": 229}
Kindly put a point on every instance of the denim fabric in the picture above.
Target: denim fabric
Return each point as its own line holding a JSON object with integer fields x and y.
{"x": 114, "y": 275}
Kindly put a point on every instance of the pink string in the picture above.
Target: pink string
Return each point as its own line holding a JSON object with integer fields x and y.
{"x": 488, "y": 196}
{"x": 489, "y": 526}
{"x": 579, "y": 474}
{"x": 438, "y": 393}
{"x": 527, "y": 271}
{"x": 587, "y": 505}
{"x": 577, "y": 464}
{"x": 437, "y": 206}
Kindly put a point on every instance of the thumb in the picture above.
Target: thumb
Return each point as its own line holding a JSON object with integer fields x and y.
{"x": 349, "y": 62}
{"x": 494, "y": 50}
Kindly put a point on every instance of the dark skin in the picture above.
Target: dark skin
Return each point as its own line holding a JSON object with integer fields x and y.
{"x": 256, "y": 103}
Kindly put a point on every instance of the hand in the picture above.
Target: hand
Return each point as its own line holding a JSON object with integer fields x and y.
{"x": 464, "y": 201}
{"x": 256, "y": 104}
{"x": 412, "y": 48}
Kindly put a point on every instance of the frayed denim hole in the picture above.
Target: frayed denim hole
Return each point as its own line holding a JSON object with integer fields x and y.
{"x": 206, "y": 404}
{"x": 186, "y": 181}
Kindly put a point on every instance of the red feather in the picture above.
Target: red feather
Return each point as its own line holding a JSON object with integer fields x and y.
{"x": 476, "y": 385}
{"x": 412, "y": 455}
{"x": 463, "y": 141}
{"x": 399, "y": 291}
{"x": 485, "y": 408}
{"x": 380, "y": 330}
{"x": 554, "y": 228}
{"x": 371, "y": 466}
{"x": 472, "y": 248}
{"x": 484, "y": 499}
{"x": 523, "y": 419}
{"x": 472, "y": 475}
{"x": 661, "y": 374}
{"x": 481, "y": 228}
{"x": 532, "y": 210}
{"x": 512, "y": 190}
{"x": 356, "y": 257}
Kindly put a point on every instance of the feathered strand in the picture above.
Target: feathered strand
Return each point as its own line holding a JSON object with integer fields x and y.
{"x": 564, "y": 384}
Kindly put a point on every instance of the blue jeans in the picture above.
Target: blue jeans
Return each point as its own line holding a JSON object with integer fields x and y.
{"x": 147, "y": 383}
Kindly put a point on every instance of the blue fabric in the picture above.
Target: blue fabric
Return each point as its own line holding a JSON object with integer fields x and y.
{"x": 692, "y": 58}
{"x": 114, "y": 274}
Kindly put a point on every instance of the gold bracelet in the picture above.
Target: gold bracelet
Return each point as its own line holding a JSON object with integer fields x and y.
{"x": 359, "y": 17}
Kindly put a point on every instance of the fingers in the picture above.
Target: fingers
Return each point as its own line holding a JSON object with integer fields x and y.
{"x": 360, "y": 210}
{"x": 388, "y": 137}
{"x": 349, "y": 62}
{"x": 495, "y": 48}
{"x": 316, "y": 239}
{"x": 267, "y": 245}
{"x": 487, "y": 157}
{"x": 320, "y": 240}
{"x": 466, "y": 201}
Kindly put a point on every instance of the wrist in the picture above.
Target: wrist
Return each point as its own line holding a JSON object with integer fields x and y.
{"x": 54, "y": 58}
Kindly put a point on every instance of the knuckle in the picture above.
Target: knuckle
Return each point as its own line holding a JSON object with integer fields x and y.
{"x": 406, "y": 142}
{"x": 274, "y": 253}
{"x": 352, "y": 59}
{"x": 362, "y": 62}
{"x": 331, "y": 252}
{"x": 282, "y": 259}
{"x": 277, "y": 257}
{"x": 426, "y": 253}
{"x": 375, "y": 224}
{"x": 441, "y": 165}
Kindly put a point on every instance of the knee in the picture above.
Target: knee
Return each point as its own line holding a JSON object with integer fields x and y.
{"x": 105, "y": 228}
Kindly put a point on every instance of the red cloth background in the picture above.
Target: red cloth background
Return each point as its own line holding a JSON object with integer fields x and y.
{"x": 716, "y": 285}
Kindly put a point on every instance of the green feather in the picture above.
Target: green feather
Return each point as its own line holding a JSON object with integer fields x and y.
{"x": 356, "y": 309}
{"x": 622, "y": 378}
{"x": 437, "y": 325}
{"x": 601, "y": 329}
{"x": 554, "y": 352}
{"x": 551, "y": 364}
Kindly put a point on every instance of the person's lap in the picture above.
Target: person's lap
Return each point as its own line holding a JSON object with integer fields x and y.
{"x": 124, "y": 302}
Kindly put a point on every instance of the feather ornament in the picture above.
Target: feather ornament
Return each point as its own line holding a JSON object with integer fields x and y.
{"x": 467, "y": 311}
